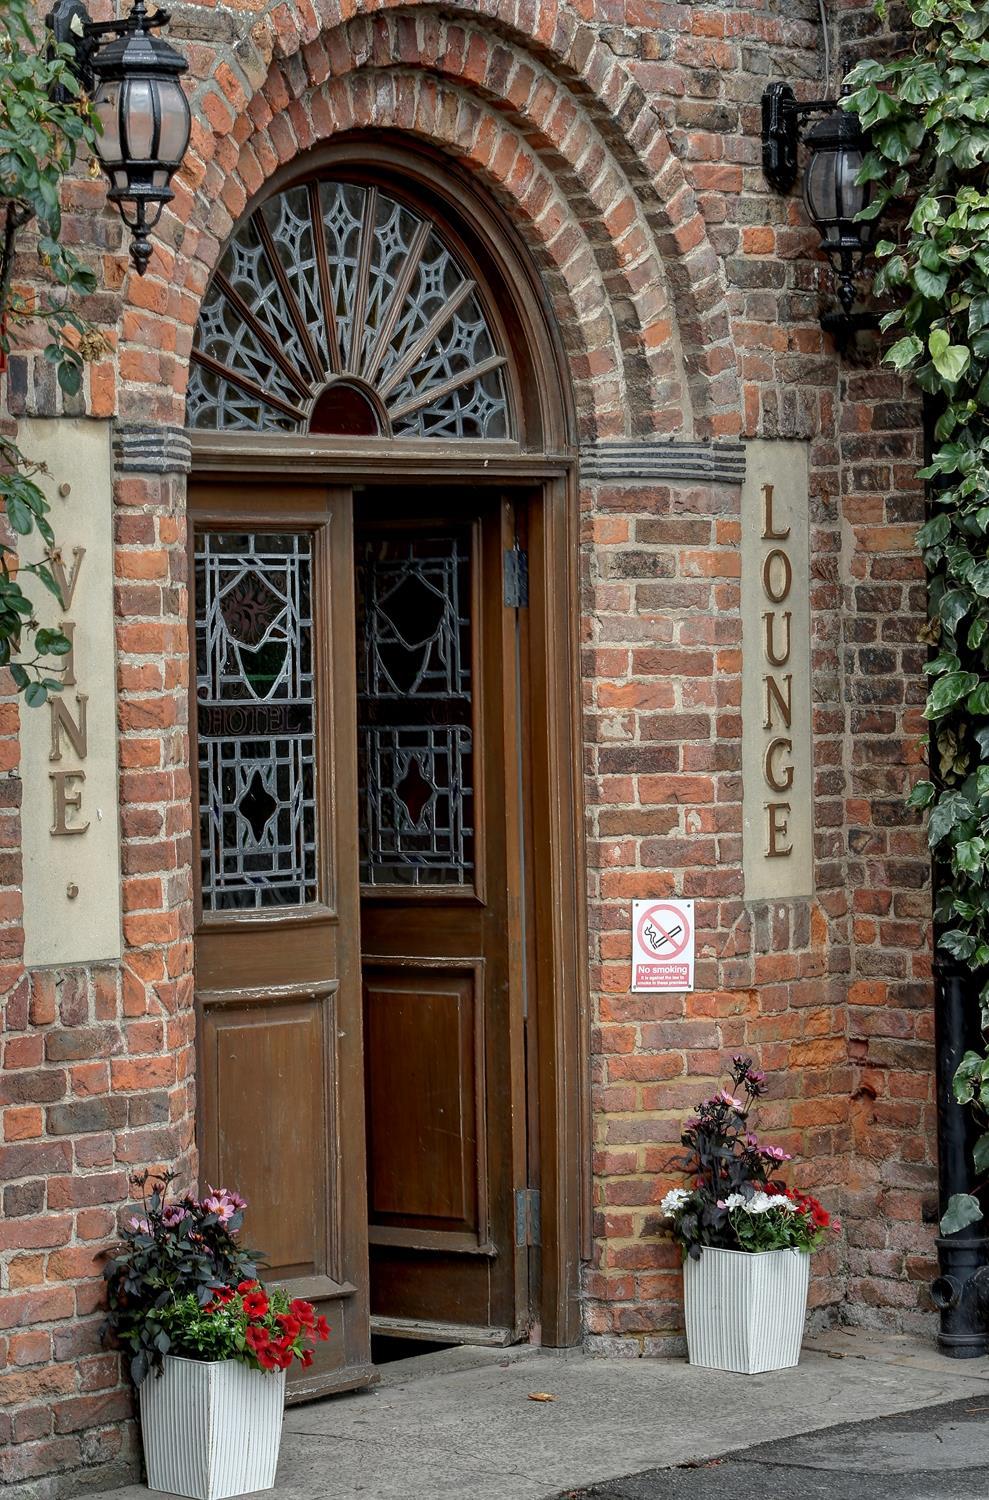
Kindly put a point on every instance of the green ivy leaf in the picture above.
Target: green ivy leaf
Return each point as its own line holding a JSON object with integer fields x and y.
{"x": 963, "y": 1209}
{"x": 950, "y": 360}
{"x": 980, "y": 1153}
{"x": 949, "y": 690}
{"x": 904, "y": 352}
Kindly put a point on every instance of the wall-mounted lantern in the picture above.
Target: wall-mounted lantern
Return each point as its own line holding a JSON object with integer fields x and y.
{"x": 833, "y": 198}
{"x": 134, "y": 83}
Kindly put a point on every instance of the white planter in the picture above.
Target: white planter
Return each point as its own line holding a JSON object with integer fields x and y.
{"x": 746, "y": 1312}
{"x": 211, "y": 1428}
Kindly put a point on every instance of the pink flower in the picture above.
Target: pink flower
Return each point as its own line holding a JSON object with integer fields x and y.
{"x": 723, "y": 1097}
{"x": 223, "y": 1209}
{"x": 140, "y": 1225}
{"x": 223, "y": 1203}
{"x": 172, "y": 1214}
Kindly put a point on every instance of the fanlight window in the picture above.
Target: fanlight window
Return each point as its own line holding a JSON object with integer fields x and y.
{"x": 338, "y": 309}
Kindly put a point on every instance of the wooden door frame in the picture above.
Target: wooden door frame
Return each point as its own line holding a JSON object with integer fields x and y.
{"x": 558, "y": 910}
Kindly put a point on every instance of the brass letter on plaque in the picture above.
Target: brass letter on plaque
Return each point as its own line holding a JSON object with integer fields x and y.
{"x": 769, "y": 532}
{"x": 75, "y": 730}
{"x": 63, "y": 800}
{"x": 777, "y": 829}
{"x": 773, "y": 772}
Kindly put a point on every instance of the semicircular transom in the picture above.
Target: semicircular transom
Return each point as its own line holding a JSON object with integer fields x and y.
{"x": 334, "y": 280}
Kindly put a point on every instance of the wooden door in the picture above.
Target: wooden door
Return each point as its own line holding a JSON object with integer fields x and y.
{"x": 439, "y": 846}
{"x": 277, "y": 947}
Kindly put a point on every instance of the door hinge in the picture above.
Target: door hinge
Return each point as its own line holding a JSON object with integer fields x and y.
{"x": 527, "y": 1216}
{"x": 516, "y": 578}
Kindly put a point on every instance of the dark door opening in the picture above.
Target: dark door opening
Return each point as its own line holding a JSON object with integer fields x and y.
{"x": 442, "y": 938}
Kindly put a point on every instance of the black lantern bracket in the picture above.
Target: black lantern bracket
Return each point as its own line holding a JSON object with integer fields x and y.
{"x": 833, "y": 197}
{"x": 132, "y": 78}
{"x": 782, "y": 116}
{"x": 71, "y": 24}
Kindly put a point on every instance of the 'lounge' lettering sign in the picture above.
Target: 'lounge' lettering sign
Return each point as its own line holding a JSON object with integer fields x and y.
{"x": 776, "y": 742}
{"x": 71, "y": 824}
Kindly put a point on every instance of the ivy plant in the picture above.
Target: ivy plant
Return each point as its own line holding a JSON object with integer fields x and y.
{"x": 927, "y": 115}
{"x": 45, "y": 121}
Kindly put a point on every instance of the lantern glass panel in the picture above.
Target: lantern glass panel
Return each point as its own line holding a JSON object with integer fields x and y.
{"x": 831, "y": 194}
{"x": 106, "y": 102}
{"x": 139, "y": 118}
{"x": 175, "y": 123}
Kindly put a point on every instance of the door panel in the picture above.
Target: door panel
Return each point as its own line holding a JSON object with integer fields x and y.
{"x": 426, "y": 1106}
{"x": 253, "y": 1044}
{"x": 277, "y": 947}
{"x": 438, "y": 817}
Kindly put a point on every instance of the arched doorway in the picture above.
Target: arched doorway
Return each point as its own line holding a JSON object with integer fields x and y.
{"x": 389, "y": 899}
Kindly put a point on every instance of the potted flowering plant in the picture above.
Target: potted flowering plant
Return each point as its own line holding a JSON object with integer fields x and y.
{"x": 746, "y": 1237}
{"x": 210, "y": 1343}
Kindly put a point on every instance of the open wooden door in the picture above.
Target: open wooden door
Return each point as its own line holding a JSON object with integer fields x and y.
{"x": 277, "y": 938}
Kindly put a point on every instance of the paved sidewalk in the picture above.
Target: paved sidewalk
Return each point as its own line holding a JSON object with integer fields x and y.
{"x": 459, "y": 1425}
{"x": 937, "y": 1453}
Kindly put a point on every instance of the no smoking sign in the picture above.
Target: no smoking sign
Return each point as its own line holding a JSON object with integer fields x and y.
{"x": 662, "y": 945}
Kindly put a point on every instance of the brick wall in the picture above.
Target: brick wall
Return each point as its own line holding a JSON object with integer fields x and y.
{"x": 621, "y": 138}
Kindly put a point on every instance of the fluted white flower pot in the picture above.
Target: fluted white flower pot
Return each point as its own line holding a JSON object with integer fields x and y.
{"x": 746, "y": 1311}
{"x": 211, "y": 1428}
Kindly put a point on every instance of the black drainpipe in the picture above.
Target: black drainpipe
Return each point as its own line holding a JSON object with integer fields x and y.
{"x": 961, "y": 1291}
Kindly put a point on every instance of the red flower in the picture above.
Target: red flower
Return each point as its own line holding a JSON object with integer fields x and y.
{"x": 246, "y": 1286}
{"x": 322, "y": 1328}
{"x": 304, "y": 1311}
{"x": 223, "y": 1293}
{"x": 291, "y": 1325}
{"x": 257, "y": 1339}
{"x": 268, "y": 1360}
{"x": 306, "y": 1358}
{"x": 255, "y": 1304}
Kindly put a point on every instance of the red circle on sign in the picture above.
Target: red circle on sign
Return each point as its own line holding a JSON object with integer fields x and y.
{"x": 675, "y": 942}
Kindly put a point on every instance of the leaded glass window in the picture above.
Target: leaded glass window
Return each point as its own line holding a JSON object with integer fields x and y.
{"x": 255, "y": 715}
{"x": 339, "y": 309}
{"x": 414, "y": 710}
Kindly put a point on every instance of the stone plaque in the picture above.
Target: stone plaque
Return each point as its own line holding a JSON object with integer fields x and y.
{"x": 70, "y": 820}
{"x": 777, "y": 768}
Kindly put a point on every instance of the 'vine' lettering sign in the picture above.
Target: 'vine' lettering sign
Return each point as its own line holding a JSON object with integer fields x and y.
{"x": 70, "y": 819}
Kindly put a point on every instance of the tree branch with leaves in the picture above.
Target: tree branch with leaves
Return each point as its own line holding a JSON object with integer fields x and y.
{"x": 45, "y": 121}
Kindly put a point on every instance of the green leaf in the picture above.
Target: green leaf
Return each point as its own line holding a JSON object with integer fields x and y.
{"x": 904, "y": 352}
{"x": 953, "y": 608}
{"x": 952, "y": 361}
{"x": 35, "y": 694}
{"x": 19, "y": 515}
{"x": 933, "y": 284}
{"x": 69, "y": 378}
{"x": 963, "y": 1209}
{"x": 947, "y": 691}
{"x": 952, "y": 808}
{"x": 980, "y": 1153}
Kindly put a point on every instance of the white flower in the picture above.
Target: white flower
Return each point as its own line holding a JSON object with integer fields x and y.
{"x": 761, "y": 1203}
{"x": 734, "y": 1200}
{"x": 674, "y": 1201}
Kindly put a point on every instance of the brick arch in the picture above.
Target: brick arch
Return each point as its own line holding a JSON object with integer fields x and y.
{"x": 607, "y": 245}
{"x": 542, "y": 33}
{"x": 489, "y": 145}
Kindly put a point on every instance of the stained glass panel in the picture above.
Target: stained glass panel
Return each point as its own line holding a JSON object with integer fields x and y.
{"x": 346, "y": 275}
{"x": 255, "y": 720}
{"x": 414, "y": 710}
